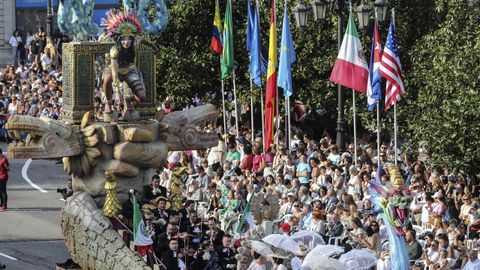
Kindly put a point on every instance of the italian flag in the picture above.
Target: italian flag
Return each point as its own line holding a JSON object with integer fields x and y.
{"x": 351, "y": 68}
{"x": 143, "y": 242}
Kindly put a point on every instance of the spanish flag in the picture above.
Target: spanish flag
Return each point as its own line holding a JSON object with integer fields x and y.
{"x": 271, "y": 95}
{"x": 216, "y": 43}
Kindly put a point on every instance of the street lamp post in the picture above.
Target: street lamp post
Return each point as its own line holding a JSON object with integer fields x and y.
{"x": 341, "y": 123}
{"x": 340, "y": 6}
{"x": 49, "y": 18}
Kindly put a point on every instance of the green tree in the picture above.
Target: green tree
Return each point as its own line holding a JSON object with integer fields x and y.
{"x": 445, "y": 118}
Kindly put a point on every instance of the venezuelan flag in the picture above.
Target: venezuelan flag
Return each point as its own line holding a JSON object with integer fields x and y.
{"x": 271, "y": 95}
{"x": 216, "y": 43}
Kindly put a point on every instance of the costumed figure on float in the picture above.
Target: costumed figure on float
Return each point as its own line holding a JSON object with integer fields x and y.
{"x": 391, "y": 202}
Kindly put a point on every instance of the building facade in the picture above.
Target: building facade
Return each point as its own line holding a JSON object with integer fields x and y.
{"x": 7, "y": 26}
{"x": 30, "y": 15}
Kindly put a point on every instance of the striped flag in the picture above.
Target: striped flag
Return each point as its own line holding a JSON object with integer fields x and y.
{"x": 216, "y": 44}
{"x": 391, "y": 70}
{"x": 271, "y": 95}
{"x": 143, "y": 242}
{"x": 374, "y": 91}
{"x": 351, "y": 68}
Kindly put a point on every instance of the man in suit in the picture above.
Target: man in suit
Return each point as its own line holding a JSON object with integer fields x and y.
{"x": 226, "y": 254}
{"x": 169, "y": 258}
{"x": 335, "y": 229}
{"x": 163, "y": 239}
{"x": 330, "y": 201}
{"x": 161, "y": 215}
{"x": 153, "y": 190}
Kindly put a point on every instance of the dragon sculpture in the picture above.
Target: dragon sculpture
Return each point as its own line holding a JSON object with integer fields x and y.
{"x": 391, "y": 202}
{"x": 131, "y": 151}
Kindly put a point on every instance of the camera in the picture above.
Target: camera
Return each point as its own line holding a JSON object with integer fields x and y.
{"x": 62, "y": 190}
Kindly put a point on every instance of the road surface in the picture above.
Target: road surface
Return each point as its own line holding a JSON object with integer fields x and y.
{"x": 30, "y": 235}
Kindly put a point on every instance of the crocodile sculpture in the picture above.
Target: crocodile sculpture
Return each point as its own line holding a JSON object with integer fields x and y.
{"x": 132, "y": 151}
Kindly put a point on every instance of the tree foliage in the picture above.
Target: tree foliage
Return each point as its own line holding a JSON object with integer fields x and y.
{"x": 438, "y": 50}
{"x": 446, "y": 114}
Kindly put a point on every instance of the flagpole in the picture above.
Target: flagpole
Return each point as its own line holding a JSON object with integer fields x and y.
{"x": 225, "y": 131}
{"x": 289, "y": 122}
{"x": 262, "y": 114}
{"x": 354, "y": 129}
{"x": 378, "y": 132}
{"x": 251, "y": 109}
{"x": 395, "y": 129}
{"x": 395, "y": 126}
{"x": 286, "y": 121}
{"x": 235, "y": 100}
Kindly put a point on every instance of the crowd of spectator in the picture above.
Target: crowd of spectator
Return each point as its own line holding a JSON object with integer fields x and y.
{"x": 319, "y": 188}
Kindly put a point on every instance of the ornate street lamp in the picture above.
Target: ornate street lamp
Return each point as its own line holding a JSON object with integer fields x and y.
{"x": 363, "y": 14}
{"x": 49, "y": 18}
{"x": 380, "y": 10}
{"x": 319, "y": 8}
{"x": 300, "y": 11}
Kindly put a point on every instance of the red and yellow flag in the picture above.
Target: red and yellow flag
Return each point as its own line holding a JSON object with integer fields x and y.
{"x": 271, "y": 95}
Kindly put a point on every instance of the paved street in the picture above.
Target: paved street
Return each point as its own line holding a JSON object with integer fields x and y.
{"x": 30, "y": 236}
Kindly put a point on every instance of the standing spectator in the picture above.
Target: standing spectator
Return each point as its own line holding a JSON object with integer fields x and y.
{"x": 170, "y": 258}
{"x": 28, "y": 41}
{"x": 4, "y": 168}
{"x": 46, "y": 59}
{"x": 303, "y": 171}
{"x": 12, "y": 106}
{"x": 10, "y": 78}
{"x": 226, "y": 254}
{"x": 17, "y": 45}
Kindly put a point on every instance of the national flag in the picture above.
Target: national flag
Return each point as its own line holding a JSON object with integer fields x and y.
{"x": 142, "y": 241}
{"x": 216, "y": 44}
{"x": 258, "y": 65}
{"x": 351, "y": 68}
{"x": 246, "y": 216}
{"x": 227, "y": 54}
{"x": 374, "y": 91}
{"x": 287, "y": 57}
{"x": 391, "y": 70}
{"x": 271, "y": 95}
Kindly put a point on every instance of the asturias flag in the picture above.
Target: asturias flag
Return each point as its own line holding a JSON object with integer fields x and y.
{"x": 216, "y": 43}
{"x": 374, "y": 91}
{"x": 271, "y": 95}
{"x": 287, "y": 57}
{"x": 227, "y": 55}
{"x": 351, "y": 68}
{"x": 142, "y": 241}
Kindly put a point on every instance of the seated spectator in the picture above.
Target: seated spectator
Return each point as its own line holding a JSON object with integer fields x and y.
{"x": 431, "y": 255}
{"x": 414, "y": 248}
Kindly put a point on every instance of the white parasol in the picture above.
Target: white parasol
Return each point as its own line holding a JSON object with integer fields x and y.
{"x": 359, "y": 259}
{"x": 284, "y": 242}
{"x": 260, "y": 248}
{"x": 323, "y": 263}
{"x": 309, "y": 238}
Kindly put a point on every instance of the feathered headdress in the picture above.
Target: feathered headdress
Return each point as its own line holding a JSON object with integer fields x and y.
{"x": 122, "y": 23}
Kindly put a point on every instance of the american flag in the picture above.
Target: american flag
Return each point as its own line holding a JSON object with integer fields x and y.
{"x": 391, "y": 70}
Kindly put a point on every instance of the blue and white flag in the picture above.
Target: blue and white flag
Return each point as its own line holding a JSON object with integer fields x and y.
{"x": 287, "y": 57}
